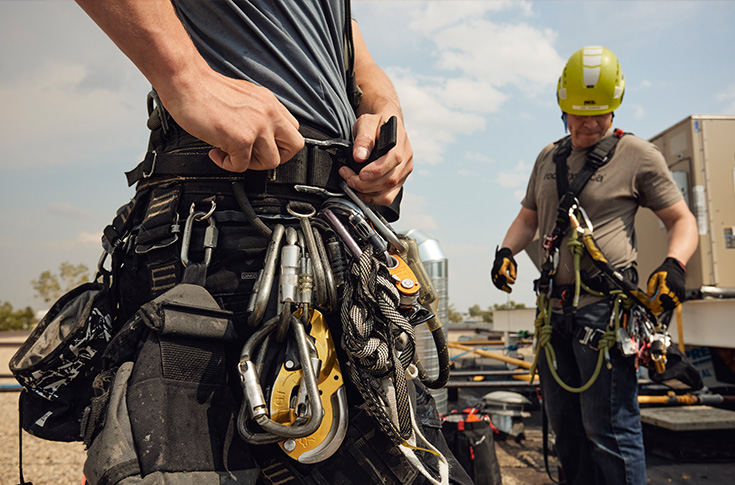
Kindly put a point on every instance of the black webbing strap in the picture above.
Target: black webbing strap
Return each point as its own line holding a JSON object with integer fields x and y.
{"x": 311, "y": 166}
{"x": 157, "y": 235}
{"x": 114, "y": 234}
{"x": 597, "y": 157}
{"x": 354, "y": 93}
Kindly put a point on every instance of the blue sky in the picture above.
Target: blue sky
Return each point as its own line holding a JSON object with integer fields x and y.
{"x": 476, "y": 80}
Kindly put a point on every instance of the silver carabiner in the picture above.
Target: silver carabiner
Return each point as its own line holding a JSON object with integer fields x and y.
{"x": 382, "y": 226}
{"x": 210, "y": 234}
{"x": 263, "y": 285}
{"x": 254, "y": 404}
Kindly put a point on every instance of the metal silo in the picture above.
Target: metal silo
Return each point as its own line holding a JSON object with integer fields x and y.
{"x": 436, "y": 265}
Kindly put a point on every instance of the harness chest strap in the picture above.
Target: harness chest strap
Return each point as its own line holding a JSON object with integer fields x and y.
{"x": 597, "y": 157}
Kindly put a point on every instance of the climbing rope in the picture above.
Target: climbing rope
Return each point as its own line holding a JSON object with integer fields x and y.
{"x": 379, "y": 341}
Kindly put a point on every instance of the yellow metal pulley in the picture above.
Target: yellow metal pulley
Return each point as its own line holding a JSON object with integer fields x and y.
{"x": 321, "y": 444}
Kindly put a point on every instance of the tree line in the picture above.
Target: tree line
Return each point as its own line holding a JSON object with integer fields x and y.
{"x": 49, "y": 286}
{"x": 476, "y": 311}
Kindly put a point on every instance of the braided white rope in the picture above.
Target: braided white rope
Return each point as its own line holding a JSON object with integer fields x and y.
{"x": 372, "y": 323}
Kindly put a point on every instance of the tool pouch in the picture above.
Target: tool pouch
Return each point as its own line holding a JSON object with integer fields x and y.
{"x": 59, "y": 360}
{"x": 679, "y": 372}
{"x": 169, "y": 410}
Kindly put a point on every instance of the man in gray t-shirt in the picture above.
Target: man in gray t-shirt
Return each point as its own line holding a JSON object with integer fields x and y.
{"x": 598, "y": 429}
{"x": 238, "y": 86}
{"x": 209, "y": 65}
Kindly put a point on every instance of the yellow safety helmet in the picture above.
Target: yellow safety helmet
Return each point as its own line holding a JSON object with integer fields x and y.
{"x": 591, "y": 83}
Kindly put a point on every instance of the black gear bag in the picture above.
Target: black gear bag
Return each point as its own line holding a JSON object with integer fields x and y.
{"x": 470, "y": 438}
{"x": 59, "y": 360}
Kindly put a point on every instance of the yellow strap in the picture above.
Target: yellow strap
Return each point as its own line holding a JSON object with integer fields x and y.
{"x": 405, "y": 443}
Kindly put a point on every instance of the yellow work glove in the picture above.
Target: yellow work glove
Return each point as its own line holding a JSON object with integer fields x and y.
{"x": 666, "y": 285}
{"x": 504, "y": 269}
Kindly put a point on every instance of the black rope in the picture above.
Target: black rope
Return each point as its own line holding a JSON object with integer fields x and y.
{"x": 242, "y": 200}
{"x": 20, "y": 445}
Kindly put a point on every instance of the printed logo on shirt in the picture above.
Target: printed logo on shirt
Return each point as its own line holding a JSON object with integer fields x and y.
{"x": 600, "y": 177}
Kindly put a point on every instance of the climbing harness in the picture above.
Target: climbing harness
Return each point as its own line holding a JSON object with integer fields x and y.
{"x": 633, "y": 327}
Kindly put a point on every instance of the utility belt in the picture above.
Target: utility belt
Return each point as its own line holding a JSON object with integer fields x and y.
{"x": 175, "y": 156}
{"x": 313, "y": 166}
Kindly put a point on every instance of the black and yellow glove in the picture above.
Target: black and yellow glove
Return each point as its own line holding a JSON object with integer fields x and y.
{"x": 504, "y": 269}
{"x": 666, "y": 285}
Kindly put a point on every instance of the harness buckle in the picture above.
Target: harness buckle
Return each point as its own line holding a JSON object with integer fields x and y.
{"x": 591, "y": 337}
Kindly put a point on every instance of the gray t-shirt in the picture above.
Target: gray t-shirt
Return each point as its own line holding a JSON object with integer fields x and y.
{"x": 637, "y": 175}
{"x": 295, "y": 49}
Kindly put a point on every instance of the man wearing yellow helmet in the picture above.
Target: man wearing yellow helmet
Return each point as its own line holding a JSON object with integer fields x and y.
{"x": 598, "y": 429}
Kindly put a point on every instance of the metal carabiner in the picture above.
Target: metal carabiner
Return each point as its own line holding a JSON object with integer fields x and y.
{"x": 262, "y": 288}
{"x": 210, "y": 234}
{"x": 576, "y": 207}
{"x": 341, "y": 231}
{"x": 381, "y": 225}
{"x": 311, "y": 248}
{"x": 254, "y": 403}
{"x": 357, "y": 219}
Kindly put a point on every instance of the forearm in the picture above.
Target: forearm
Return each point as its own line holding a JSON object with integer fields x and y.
{"x": 521, "y": 231}
{"x": 681, "y": 231}
{"x": 682, "y": 240}
{"x": 378, "y": 93}
{"x": 247, "y": 125}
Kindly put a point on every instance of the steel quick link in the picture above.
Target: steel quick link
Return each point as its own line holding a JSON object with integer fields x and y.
{"x": 289, "y": 279}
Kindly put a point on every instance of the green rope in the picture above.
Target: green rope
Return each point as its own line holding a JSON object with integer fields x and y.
{"x": 577, "y": 248}
{"x": 543, "y": 328}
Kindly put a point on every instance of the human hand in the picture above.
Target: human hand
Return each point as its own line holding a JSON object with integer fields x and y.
{"x": 249, "y": 127}
{"x": 666, "y": 285}
{"x": 504, "y": 270}
{"x": 380, "y": 181}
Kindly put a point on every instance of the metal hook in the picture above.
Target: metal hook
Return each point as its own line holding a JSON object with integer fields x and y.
{"x": 210, "y": 235}
{"x": 206, "y": 215}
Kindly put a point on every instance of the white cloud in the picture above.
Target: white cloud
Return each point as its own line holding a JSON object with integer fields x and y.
{"x": 727, "y": 98}
{"x": 479, "y": 64}
{"x": 51, "y": 116}
{"x": 501, "y": 54}
{"x": 68, "y": 211}
{"x": 478, "y": 157}
{"x": 517, "y": 177}
{"x": 439, "y": 15}
{"x": 432, "y": 125}
{"x": 89, "y": 238}
{"x": 638, "y": 111}
{"x": 413, "y": 215}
